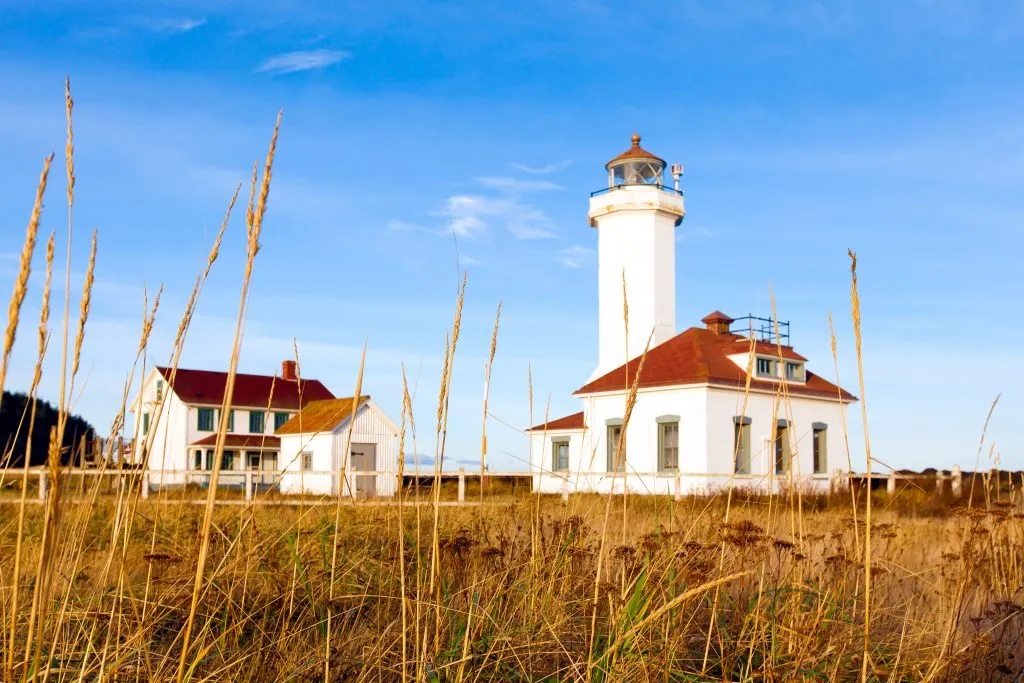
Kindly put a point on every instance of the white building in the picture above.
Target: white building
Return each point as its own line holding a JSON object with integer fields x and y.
{"x": 179, "y": 413}
{"x": 313, "y": 447}
{"x": 695, "y": 424}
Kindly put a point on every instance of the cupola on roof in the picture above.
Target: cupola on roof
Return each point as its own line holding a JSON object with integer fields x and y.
{"x": 718, "y": 322}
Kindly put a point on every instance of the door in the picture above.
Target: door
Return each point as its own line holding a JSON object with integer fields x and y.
{"x": 255, "y": 462}
{"x": 364, "y": 459}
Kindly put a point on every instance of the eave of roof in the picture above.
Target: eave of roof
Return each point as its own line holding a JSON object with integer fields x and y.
{"x": 250, "y": 441}
{"x": 563, "y": 424}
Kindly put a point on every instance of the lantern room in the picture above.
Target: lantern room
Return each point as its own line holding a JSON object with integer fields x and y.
{"x": 635, "y": 166}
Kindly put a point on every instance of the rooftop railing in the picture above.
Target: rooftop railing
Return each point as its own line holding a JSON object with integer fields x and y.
{"x": 663, "y": 188}
{"x": 762, "y": 328}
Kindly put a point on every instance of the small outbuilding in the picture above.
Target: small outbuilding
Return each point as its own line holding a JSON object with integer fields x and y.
{"x": 328, "y": 444}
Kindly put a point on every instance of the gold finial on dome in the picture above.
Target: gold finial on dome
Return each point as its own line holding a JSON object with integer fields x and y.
{"x": 636, "y": 139}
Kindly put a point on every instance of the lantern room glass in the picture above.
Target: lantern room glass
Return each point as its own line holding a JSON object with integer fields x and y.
{"x": 636, "y": 172}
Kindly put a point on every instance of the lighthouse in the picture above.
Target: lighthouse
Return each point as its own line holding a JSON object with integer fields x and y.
{"x": 635, "y": 218}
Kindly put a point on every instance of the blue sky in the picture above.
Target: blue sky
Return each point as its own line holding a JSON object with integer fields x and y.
{"x": 806, "y": 128}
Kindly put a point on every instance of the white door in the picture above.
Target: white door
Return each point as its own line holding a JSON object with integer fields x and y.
{"x": 364, "y": 459}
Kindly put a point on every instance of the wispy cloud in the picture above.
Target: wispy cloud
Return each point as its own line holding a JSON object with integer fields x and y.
{"x": 470, "y": 216}
{"x": 693, "y": 232}
{"x": 404, "y": 226}
{"x": 575, "y": 257}
{"x": 170, "y": 25}
{"x": 546, "y": 169}
{"x": 517, "y": 185}
{"x": 303, "y": 60}
{"x": 159, "y": 25}
{"x": 468, "y": 226}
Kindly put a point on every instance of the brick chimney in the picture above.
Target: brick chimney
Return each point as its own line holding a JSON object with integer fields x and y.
{"x": 288, "y": 370}
{"x": 718, "y": 322}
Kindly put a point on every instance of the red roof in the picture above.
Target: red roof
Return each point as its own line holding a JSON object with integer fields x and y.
{"x": 205, "y": 387}
{"x": 251, "y": 442}
{"x": 700, "y": 356}
{"x": 635, "y": 152}
{"x": 574, "y": 421}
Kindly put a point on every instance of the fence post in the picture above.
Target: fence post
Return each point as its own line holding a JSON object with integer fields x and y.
{"x": 248, "y": 485}
{"x": 940, "y": 483}
{"x": 890, "y": 484}
{"x": 43, "y": 483}
{"x": 565, "y": 489}
{"x": 956, "y": 482}
{"x": 462, "y": 484}
{"x": 145, "y": 484}
{"x": 677, "y": 487}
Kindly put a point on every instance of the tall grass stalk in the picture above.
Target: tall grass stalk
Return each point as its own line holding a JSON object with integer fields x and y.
{"x": 346, "y": 456}
{"x": 620, "y": 455}
{"x": 846, "y": 432}
{"x": 855, "y": 310}
{"x": 37, "y": 374}
{"x": 487, "y": 393}
{"x": 254, "y": 226}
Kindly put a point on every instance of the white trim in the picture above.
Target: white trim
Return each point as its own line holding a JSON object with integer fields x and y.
{"x": 560, "y": 430}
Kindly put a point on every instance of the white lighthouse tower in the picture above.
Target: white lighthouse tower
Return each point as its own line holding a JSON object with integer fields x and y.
{"x": 635, "y": 219}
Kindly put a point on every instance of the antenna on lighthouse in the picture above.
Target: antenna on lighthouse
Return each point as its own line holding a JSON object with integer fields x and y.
{"x": 677, "y": 171}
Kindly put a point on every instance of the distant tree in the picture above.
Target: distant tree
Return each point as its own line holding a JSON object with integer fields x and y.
{"x": 14, "y": 442}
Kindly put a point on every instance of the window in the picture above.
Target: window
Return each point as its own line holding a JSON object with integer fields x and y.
{"x": 209, "y": 460}
{"x": 257, "y": 421}
{"x": 765, "y": 367}
{"x": 741, "y": 444}
{"x": 204, "y": 419}
{"x": 668, "y": 446}
{"x": 614, "y": 436}
{"x": 560, "y": 456}
{"x": 280, "y": 419}
{"x": 227, "y": 460}
{"x": 159, "y": 390}
{"x": 783, "y": 458}
{"x": 145, "y": 424}
{"x": 820, "y": 446}
{"x": 307, "y": 460}
{"x": 794, "y": 371}
{"x": 231, "y": 420}
{"x": 254, "y": 461}
{"x": 197, "y": 460}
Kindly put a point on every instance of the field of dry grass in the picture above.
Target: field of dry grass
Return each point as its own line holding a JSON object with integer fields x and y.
{"x": 683, "y": 596}
{"x": 107, "y": 586}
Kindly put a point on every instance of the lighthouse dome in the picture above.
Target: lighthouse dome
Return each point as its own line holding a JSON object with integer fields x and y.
{"x": 635, "y": 166}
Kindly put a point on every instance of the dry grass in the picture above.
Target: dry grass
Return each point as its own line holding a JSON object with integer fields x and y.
{"x": 805, "y": 624}
{"x": 102, "y": 585}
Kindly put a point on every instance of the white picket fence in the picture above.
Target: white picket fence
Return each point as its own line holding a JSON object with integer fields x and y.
{"x": 678, "y": 484}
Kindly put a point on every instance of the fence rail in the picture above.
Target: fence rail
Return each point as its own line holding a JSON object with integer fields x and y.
{"x": 251, "y": 480}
